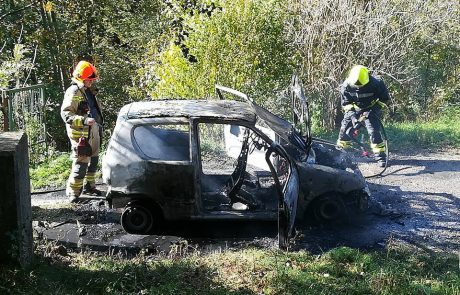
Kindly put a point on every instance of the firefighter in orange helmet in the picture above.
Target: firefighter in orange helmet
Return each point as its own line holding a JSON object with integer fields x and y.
{"x": 82, "y": 115}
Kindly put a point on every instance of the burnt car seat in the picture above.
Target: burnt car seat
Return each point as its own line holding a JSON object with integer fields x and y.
{"x": 233, "y": 186}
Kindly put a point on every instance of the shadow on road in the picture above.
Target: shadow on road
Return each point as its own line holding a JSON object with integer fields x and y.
{"x": 427, "y": 166}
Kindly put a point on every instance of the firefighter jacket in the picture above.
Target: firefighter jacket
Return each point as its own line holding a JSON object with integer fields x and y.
{"x": 74, "y": 111}
{"x": 364, "y": 97}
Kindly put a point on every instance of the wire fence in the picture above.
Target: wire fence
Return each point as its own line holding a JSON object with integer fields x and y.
{"x": 24, "y": 109}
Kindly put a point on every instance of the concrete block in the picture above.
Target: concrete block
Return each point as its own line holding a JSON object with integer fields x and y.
{"x": 16, "y": 243}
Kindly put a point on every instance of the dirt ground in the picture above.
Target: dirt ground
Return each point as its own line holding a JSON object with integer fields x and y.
{"x": 416, "y": 202}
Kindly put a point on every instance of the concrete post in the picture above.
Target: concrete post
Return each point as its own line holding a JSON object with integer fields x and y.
{"x": 15, "y": 209}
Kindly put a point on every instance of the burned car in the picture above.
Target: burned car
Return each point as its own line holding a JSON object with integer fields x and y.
{"x": 224, "y": 160}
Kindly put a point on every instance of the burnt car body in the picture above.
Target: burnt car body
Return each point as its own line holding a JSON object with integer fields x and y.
{"x": 224, "y": 159}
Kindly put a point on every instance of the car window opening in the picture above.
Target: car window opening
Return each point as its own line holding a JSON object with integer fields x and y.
{"x": 165, "y": 142}
{"x": 234, "y": 172}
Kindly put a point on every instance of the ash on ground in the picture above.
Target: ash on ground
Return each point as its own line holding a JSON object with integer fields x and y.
{"x": 416, "y": 202}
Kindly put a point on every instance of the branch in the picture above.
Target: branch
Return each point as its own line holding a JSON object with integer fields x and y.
{"x": 20, "y": 35}
{"x": 16, "y": 11}
{"x": 32, "y": 67}
{"x": 4, "y": 44}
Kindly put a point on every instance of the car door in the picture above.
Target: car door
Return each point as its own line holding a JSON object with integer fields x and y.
{"x": 287, "y": 179}
{"x": 168, "y": 171}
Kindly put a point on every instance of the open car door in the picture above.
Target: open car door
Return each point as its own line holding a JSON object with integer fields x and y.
{"x": 287, "y": 182}
{"x": 284, "y": 172}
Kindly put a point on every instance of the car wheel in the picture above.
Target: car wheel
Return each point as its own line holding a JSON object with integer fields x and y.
{"x": 137, "y": 219}
{"x": 328, "y": 208}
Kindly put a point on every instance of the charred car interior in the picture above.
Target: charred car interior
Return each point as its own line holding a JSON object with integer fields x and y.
{"x": 227, "y": 179}
{"x": 225, "y": 160}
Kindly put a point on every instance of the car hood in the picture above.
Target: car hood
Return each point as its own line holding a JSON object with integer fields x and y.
{"x": 281, "y": 127}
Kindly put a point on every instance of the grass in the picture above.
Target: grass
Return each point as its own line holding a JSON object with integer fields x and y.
{"x": 441, "y": 133}
{"x": 52, "y": 173}
{"x": 251, "y": 271}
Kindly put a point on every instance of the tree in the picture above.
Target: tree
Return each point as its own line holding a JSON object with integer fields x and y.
{"x": 389, "y": 36}
{"x": 114, "y": 34}
{"x": 239, "y": 44}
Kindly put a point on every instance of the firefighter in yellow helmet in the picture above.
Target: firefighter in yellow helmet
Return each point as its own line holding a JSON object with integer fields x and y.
{"x": 362, "y": 92}
{"x": 82, "y": 115}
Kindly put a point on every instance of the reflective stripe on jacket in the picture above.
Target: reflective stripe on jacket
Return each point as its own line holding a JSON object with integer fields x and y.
{"x": 74, "y": 111}
{"x": 365, "y": 96}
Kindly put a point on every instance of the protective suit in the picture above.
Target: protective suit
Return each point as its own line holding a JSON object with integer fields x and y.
{"x": 82, "y": 115}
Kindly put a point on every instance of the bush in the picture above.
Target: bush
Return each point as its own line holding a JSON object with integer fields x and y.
{"x": 240, "y": 45}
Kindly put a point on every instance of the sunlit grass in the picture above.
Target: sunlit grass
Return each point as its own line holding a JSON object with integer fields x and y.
{"x": 441, "y": 133}
{"x": 251, "y": 271}
{"x": 52, "y": 173}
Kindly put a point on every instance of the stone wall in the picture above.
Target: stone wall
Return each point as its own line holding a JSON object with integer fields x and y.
{"x": 15, "y": 208}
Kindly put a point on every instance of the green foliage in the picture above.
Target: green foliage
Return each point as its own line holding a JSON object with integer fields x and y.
{"x": 13, "y": 68}
{"x": 442, "y": 132}
{"x": 181, "y": 49}
{"x": 240, "y": 45}
{"x": 408, "y": 43}
{"x": 211, "y": 138}
{"x": 37, "y": 151}
{"x": 326, "y": 134}
{"x": 438, "y": 86}
{"x": 52, "y": 173}
{"x": 338, "y": 271}
{"x": 121, "y": 37}
{"x": 113, "y": 33}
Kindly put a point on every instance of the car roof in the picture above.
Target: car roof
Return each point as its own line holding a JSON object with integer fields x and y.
{"x": 213, "y": 109}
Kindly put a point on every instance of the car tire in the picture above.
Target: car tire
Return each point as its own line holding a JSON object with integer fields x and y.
{"x": 137, "y": 219}
{"x": 328, "y": 208}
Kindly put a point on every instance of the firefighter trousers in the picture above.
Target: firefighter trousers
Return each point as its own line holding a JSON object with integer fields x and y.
{"x": 82, "y": 168}
{"x": 373, "y": 129}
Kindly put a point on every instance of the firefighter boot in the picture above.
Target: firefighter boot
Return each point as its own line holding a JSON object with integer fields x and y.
{"x": 91, "y": 191}
{"x": 380, "y": 158}
{"x": 73, "y": 195}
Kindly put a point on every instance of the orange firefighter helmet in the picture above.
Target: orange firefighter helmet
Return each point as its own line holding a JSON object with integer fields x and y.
{"x": 85, "y": 71}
